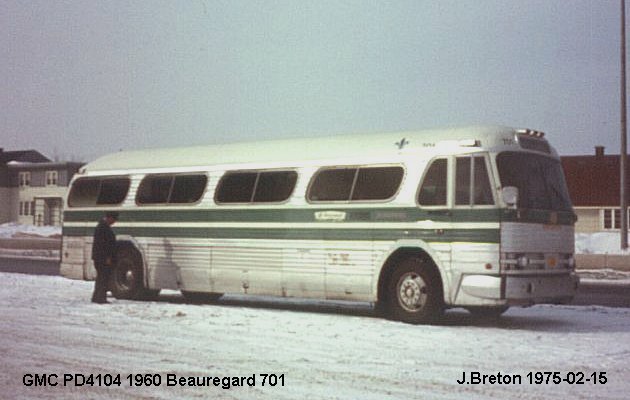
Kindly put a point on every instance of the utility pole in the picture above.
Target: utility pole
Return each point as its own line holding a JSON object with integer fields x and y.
{"x": 624, "y": 122}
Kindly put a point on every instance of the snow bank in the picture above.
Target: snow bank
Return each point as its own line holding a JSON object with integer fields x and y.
{"x": 598, "y": 243}
{"x": 12, "y": 230}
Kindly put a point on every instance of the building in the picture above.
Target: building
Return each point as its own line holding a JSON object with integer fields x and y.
{"x": 593, "y": 183}
{"x": 33, "y": 188}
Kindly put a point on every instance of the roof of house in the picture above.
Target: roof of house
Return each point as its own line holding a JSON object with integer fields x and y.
{"x": 32, "y": 156}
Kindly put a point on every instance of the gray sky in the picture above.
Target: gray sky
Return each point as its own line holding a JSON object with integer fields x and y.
{"x": 79, "y": 79}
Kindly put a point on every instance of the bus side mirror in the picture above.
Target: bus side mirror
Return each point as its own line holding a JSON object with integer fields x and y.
{"x": 509, "y": 194}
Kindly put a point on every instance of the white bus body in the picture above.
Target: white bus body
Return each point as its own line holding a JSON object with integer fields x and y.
{"x": 416, "y": 222}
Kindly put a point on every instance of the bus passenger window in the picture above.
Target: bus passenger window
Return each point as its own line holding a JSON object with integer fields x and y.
{"x": 89, "y": 192}
{"x": 332, "y": 185}
{"x": 377, "y": 183}
{"x": 236, "y": 187}
{"x": 275, "y": 186}
{"x": 84, "y": 192}
{"x": 433, "y": 190}
{"x": 188, "y": 188}
{"x": 113, "y": 191}
{"x": 154, "y": 189}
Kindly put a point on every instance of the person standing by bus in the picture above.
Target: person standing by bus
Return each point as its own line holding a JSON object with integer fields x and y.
{"x": 104, "y": 256}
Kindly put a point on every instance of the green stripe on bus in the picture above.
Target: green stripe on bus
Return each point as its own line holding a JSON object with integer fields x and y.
{"x": 401, "y": 214}
{"x": 446, "y": 235}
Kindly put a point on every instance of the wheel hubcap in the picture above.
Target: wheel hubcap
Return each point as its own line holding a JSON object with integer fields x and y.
{"x": 129, "y": 276}
{"x": 412, "y": 292}
{"x": 125, "y": 276}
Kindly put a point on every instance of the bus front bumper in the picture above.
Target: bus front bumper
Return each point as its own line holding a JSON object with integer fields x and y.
{"x": 522, "y": 289}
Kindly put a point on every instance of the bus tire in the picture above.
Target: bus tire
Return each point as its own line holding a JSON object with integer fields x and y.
{"x": 201, "y": 297}
{"x": 414, "y": 292}
{"x": 127, "y": 279}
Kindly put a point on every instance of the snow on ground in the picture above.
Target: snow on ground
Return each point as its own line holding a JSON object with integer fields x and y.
{"x": 598, "y": 243}
{"x": 324, "y": 350}
{"x": 12, "y": 229}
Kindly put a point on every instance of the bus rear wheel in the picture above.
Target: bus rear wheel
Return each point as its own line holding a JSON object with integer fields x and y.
{"x": 127, "y": 279}
{"x": 413, "y": 293}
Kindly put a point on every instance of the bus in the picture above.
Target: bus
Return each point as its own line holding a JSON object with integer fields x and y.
{"x": 417, "y": 222}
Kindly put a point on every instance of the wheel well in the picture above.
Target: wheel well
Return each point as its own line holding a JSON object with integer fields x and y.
{"x": 402, "y": 254}
{"x": 127, "y": 245}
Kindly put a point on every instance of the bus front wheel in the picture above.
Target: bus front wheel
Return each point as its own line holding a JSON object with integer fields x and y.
{"x": 414, "y": 294}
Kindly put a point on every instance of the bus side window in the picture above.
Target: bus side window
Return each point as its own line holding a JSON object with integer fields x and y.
{"x": 332, "y": 184}
{"x": 377, "y": 183}
{"x": 236, "y": 187}
{"x": 154, "y": 189}
{"x": 113, "y": 191}
{"x": 462, "y": 181}
{"x": 89, "y": 192}
{"x": 480, "y": 191}
{"x": 433, "y": 189}
{"x": 188, "y": 189}
{"x": 274, "y": 186}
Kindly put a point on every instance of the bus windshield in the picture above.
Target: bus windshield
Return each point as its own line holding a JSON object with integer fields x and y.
{"x": 539, "y": 179}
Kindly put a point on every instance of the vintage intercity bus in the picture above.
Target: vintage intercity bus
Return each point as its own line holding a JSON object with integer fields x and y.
{"x": 415, "y": 222}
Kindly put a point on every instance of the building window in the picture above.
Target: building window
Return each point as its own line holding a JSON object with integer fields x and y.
{"x": 51, "y": 178}
{"x": 24, "y": 179}
{"x": 26, "y": 208}
{"x": 611, "y": 219}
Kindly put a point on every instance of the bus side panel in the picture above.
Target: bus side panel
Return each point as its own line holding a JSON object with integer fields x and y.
{"x": 76, "y": 258}
{"x": 303, "y": 270}
{"x": 249, "y": 268}
{"x": 179, "y": 264}
{"x": 349, "y": 271}
{"x": 472, "y": 260}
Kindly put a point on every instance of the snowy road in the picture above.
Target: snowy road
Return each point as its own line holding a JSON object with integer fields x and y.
{"x": 334, "y": 351}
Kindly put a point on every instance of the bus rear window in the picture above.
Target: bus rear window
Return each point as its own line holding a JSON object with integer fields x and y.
{"x": 89, "y": 192}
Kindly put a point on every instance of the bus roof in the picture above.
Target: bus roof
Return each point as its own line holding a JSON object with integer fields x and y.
{"x": 314, "y": 148}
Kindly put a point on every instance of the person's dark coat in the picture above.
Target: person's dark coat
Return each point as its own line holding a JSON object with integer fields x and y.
{"x": 104, "y": 246}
